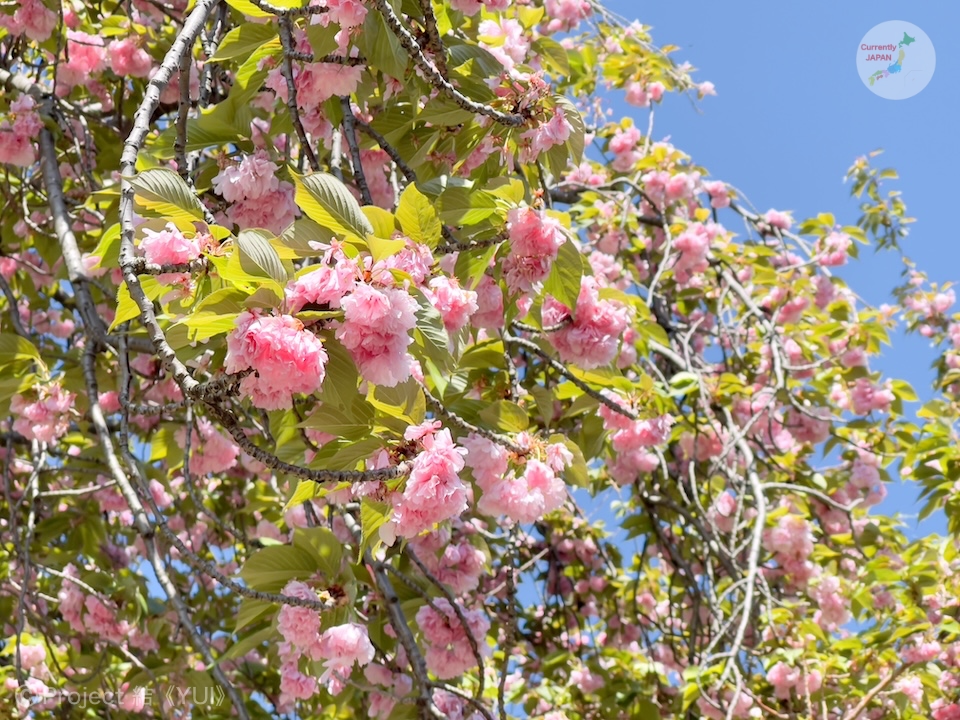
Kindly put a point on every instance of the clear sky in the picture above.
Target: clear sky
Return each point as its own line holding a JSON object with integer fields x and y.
{"x": 790, "y": 116}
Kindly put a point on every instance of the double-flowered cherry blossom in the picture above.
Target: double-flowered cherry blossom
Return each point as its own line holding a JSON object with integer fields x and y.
{"x": 376, "y": 330}
{"x": 449, "y": 652}
{"x": 45, "y": 419}
{"x": 590, "y": 335}
{"x": 286, "y": 359}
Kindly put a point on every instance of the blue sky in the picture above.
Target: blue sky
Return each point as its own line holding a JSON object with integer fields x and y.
{"x": 790, "y": 116}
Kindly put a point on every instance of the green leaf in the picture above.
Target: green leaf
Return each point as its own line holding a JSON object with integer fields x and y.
{"x": 384, "y": 225}
{"x": 683, "y": 383}
{"x": 482, "y": 59}
{"x": 380, "y": 248}
{"x": 418, "y": 217}
{"x": 304, "y": 231}
{"x": 565, "y": 277}
{"x": 270, "y": 568}
{"x": 355, "y": 423}
{"x": 381, "y": 47}
{"x": 127, "y": 309}
{"x": 251, "y": 610}
{"x": 647, "y": 710}
{"x": 405, "y": 402}
{"x": 306, "y": 490}
{"x": 372, "y": 516}
{"x": 575, "y": 143}
{"x": 430, "y": 336}
{"x": 460, "y": 205}
{"x": 327, "y": 201}
{"x": 248, "y": 8}
{"x": 201, "y": 326}
{"x": 325, "y": 547}
{"x": 554, "y": 55}
{"x": 14, "y": 348}
{"x": 243, "y": 40}
{"x": 505, "y": 415}
{"x": 577, "y": 473}
{"x": 322, "y": 38}
{"x": 162, "y": 193}
{"x": 472, "y": 264}
{"x": 250, "y": 642}
{"x": 259, "y": 258}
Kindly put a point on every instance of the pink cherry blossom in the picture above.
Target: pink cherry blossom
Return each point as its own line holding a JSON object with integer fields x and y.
{"x": 346, "y": 13}
{"x": 434, "y": 491}
{"x": 275, "y": 210}
{"x": 318, "y": 82}
{"x": 694, "y": 246}
{"x": 718, "y": 192}
{"x": 912, "y": 687}
{"x": 505, "y": 39}
{"x": 32, "y": 19}
{"x": 554, "y": 131}
{"x": 566, "y": 14}
{"x": 778, "y": 219}
{"x": 18, "y": 131}
{"x": 591, "y": 337}
{"x": 341, "y": 647}
{"x": 376, "y": 330}
{"x": 211, "y": 451}
{"x": 535, "y": 239}
{"x": 87, "y": 56}
{"x": 524, "y": 499}
{"x": 128, "y": 59}
{"x": 322, "y": 285}
{"x": 921, "y": 652}
{"x": 286, "y": 359}
{"x": 169, "y": 246}
{"x": 299, "y": 626}
{"x": 486, "y": 459}
{"x": 489, "y": 313}
{"x": 783, "y": 678}
{"x": 449, "y": 653}
{"x": 832, "y": 250}
{"x": 45, "y": 419}
{"x": 294, "y": 685}
{"x": 866, "y": 397}
{"x": 833, "y": 606}
{"x": 723, "y": 512}
{"x": 458, "y": 565}
{"x": 455, "y": 304}
{"x": 255, "y": 177}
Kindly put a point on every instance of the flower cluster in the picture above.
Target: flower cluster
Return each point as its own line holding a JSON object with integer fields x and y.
{"x": 260, "y": 199}
{"x": 32, "y": 19}
{"x": 434, "y": 491}
{"x": 449, "y": 652}
{"x": 18, "y": 131}
{"x": 632, "y": 440}
{"x": 590, "y": 335}
{"x": 286, "y": 359}
{"x": 535, "y": 239}
{"x": 376, "y": 330}
{"x": 45, "y": 419}
{"x": 524, "y": 495}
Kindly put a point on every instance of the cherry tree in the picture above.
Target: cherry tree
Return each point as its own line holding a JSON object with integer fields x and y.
{"x": 355, "y": 363}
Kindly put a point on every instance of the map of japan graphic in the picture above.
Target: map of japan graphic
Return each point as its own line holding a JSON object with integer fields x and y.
{"x": 896, "y": 67}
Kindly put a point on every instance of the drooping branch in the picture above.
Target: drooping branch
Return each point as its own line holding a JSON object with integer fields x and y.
{"x": 146, "y": 531}
{"x": 286, "y": 67}
{"x": 410, "y": 44}
{"x": 350, "y": 132}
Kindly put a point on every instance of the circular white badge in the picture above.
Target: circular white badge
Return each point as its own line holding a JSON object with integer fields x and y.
{"x": 896, "y": 60}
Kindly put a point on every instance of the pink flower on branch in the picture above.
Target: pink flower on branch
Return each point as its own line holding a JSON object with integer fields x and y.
{"x": 286, "y": 359}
